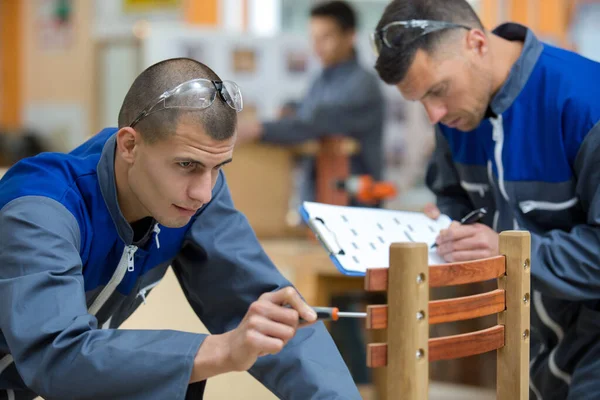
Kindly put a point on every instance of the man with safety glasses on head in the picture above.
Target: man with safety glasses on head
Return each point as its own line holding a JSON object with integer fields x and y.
{"x": 518, "y": 132}
{"x": 85, "y": 235}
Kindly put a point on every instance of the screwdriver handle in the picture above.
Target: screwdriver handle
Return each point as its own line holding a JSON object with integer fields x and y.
{"x": 325, "y": 314}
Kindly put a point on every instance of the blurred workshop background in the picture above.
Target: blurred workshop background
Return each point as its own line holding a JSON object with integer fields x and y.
{"x": 65, "y": 66}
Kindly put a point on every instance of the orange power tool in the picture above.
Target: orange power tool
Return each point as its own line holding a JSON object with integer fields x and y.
{"x": 366, "y": 190}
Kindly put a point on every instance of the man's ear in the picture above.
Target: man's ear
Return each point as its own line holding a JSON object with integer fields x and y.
{"x": 477, "y": 41}
{"x": 128, "y": 139}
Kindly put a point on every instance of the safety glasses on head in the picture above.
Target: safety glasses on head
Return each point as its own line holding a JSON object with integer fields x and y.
{"x": 391, "y": 34}
{"x": 195, "y": 94}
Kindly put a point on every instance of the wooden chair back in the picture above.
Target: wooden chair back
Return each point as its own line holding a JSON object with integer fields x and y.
{"x": 409, "y": 313}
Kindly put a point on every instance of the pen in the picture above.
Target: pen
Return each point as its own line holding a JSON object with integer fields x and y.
{"x": 471, "y": 218}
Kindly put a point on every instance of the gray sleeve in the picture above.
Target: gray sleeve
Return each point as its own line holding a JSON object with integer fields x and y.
{"x": 443, "y": 180}
{"x": 57, "y": 347}
{"x": 359, "y": 107}
{"x": 222, "y": 270}
{"x": 567, "y": 264}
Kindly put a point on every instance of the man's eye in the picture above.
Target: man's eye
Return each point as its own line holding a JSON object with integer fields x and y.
{"x": 440, "y": 92}
{"x": 186, "y": 164}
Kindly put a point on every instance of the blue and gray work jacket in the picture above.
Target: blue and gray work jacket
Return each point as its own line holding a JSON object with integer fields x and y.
{"x": 70, "y": 273}
{"x": 536, "y": 164}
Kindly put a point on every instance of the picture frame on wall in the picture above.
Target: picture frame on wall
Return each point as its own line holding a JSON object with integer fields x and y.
{"x": 296, "y": 61}
{"x": 244, "y": 60}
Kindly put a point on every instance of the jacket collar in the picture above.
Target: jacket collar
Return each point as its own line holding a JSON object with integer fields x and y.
{"x": 108, "y": 188}
{"x": 521, "y": 70}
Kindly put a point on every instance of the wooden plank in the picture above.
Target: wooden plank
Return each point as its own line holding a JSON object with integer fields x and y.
{"x": 513, "y": 358}
{"x": 376, "y": 280}
{"x": 467, "y": 344}
{"x": 445, "y": 348}
{"x": 377, "y": 316}
{"x": 450, "y": 310}
{"x": 376, "y": 355}
{"x": 459, "y": 273}
{"x": 467, "y": 307}
{"x": 407, "y": 366}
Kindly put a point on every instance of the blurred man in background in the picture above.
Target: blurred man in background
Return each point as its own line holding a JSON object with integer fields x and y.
{"x": 345, "y": 99}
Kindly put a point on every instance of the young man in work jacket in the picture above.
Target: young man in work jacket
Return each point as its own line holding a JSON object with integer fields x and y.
{"x": 517, "y": 132}
{"x": 82, "y": 234}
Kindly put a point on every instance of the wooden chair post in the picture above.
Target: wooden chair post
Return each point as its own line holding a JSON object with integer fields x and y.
{"x": 406, "y": 319}
{"x": 513, "y": 357}
{"x": 408, "y": 327}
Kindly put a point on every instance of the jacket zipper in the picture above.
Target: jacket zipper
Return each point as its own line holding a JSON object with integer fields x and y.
{"x": 543, "y": 315}
{"x": 125, "y": 264}
{"x": 480, "y": 188}
{"x": 530, "y": 205}
{"x": 156, "y": 230}
{"x": 145, "y": 289}
{"x": 491, "y": 181}
{"x": 498, "y": 137}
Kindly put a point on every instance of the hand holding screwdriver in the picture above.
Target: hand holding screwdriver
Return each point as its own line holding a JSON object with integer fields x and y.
{"x": 333, "y": 314}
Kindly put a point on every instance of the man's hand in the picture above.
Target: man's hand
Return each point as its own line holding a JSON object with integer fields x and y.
{"x": 431, "y": 211}
{"x": 249, "y": 131}
{"x": 266, "y": 328}
{"x": 463, "y": 242}
{"x": 467, "y": 242}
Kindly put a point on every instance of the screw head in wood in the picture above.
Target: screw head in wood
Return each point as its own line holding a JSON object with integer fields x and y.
{"x": 420, "y": 315}
{"x": 420, "y": 354}
{"x": 420, "y": 278}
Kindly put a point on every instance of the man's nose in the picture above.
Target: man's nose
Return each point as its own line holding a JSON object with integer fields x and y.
{"x": 435, "y": 112}
{"x": 200, "y": 190}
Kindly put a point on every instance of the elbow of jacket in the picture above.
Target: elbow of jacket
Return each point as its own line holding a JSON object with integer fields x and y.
{"x": 49, "y": 373}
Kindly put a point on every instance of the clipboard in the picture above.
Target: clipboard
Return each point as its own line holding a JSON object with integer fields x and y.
{"x": 358, "y": 238}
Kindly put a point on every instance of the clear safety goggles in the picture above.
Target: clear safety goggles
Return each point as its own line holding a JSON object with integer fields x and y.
{"x": 390, "y": 34}
{"x": 196, "y": 94}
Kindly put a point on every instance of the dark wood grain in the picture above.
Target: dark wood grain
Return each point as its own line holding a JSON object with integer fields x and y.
{"x": 447, "y": 347}
{"x": 450, "y": 310}
{"x": 459, "y": 273}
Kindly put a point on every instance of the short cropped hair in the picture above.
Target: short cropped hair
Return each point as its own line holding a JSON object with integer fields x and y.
{"x": 219, "y": 120}
{"x": 340, "y": 11}
{"x": 393, "y": 64}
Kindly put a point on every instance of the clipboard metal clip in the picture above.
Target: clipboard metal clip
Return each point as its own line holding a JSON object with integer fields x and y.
{"x": 326, "y": 236}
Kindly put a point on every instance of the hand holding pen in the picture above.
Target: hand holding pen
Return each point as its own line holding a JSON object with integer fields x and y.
{"x": 471, "y": 218}
{"x": 467, "y": 240}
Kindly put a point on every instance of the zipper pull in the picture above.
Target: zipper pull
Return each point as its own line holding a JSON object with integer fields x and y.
{"x": 130, "y": 253}
{"x": 496, "y": 127}
{"x": 156, "y": 232}
{"x": 143, "y": 295}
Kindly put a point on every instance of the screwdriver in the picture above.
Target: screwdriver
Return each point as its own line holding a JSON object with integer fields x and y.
{"x": 333, "y": 314}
